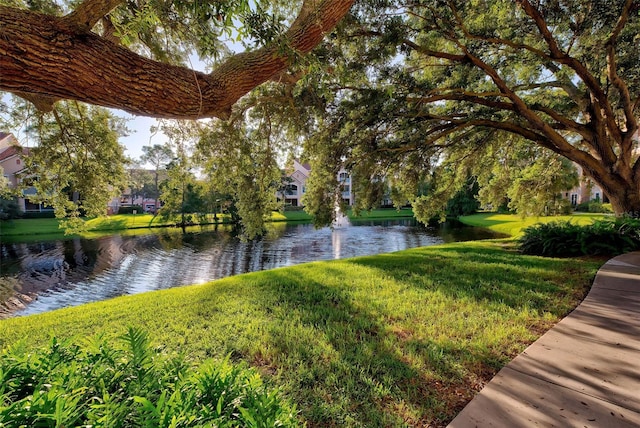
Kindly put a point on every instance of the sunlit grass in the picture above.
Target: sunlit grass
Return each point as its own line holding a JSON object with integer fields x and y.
{"x": 390, "y": 340}
{"x": 49, "y": 228}
{"x": 381, "y": 213}
{"x": 291, "y": 216}
{"x": 513, "y": 224}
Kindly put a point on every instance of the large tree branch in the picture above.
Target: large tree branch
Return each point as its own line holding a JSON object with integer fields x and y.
{"x": 599, "y": 97}
{"x": 90, "y": 12}
{"x": 51, "y": 57}
{"x": 554, "y": 140}
{"x": 620, "y": 85}
{"x": 488, "y": 100}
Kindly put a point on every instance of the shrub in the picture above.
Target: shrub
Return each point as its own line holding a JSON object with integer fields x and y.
{"x": 593, "y": 207}
{"x": 130, "y": 386}
{"x": 41, "y": 214}
{"x": 9, "y": 209}
{"x": 560, "y": 207}
{"x": 129, "y": 209}
{"x": 563, "y": 239}
{"x": 552, "y": 239}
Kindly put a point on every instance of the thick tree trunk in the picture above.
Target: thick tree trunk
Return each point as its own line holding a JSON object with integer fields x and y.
{"x": 621, "y": 184}
{"x": 56, "y": 58}
{"x": 624, "y": 201}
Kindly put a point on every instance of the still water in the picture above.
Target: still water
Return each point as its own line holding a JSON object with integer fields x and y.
{"x": 42, "y": 276}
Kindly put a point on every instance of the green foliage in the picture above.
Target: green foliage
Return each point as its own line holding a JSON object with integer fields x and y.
{"x": 79, "y": 162}
{"x": 9, "y": 209}
{"x": 564, "y": 239}
{"x": 593, "y": 207}
{"x": 426, "y": 93}
{"x": 159, "y": 157}
{"x": 556, "y": 239}
{"x": 131, "y": 385}
{"x": 392, "y": 340}
{"x": 5, "y": 190}
{"x": 170, "y": 32}
{"x": 465, "y": 201}
{"x": 241, "y": 163}
{"x": 129, "y": 210}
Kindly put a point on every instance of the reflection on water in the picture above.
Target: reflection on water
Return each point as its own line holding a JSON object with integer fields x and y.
{"x": 38, "y": 277}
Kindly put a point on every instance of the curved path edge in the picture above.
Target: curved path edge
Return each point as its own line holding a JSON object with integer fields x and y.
{"x": 584, "y": 372}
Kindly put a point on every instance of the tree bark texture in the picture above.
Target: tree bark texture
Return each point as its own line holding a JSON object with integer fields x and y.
{"x": 45, "y": 56}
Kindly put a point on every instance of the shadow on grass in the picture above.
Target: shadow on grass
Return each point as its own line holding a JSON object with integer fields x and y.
{"x": 492, "y": 275}
{"x": 347, "y": 359}
{"x": 346, "y": 367}
{"x": 402, "y": 339}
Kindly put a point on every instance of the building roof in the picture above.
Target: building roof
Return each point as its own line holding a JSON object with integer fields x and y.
{"x": 9, "y": 151}
{"x": 3, "y": 135}
{"x": 13, "y": 151}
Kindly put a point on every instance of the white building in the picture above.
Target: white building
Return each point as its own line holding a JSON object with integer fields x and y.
{"x": 13, "y": 168}
{"x": 586, "y": 191}
{"x": 297, "y": 185}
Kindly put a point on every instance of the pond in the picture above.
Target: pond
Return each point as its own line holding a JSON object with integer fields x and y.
{"x": 43, "y": 276}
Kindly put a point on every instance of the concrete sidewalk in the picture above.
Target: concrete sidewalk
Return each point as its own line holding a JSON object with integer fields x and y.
{"x": 584, "y": 372}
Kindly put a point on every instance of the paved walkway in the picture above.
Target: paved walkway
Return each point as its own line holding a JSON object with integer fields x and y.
{"x": 584, "y": 372}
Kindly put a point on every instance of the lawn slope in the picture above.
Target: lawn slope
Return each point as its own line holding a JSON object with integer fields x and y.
{"x": 391, "y": 340}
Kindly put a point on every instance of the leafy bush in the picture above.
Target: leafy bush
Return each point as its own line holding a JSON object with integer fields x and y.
{"x": 563, "y": 239}
{"x": 131, "y": 386}
{"x": 130, "y": 209}
{"x": 41, "y": 214}
{"x": 465, "y": 201}
{"x": 559, "y": 207}
{"x": 552, "y": 239}
{"x": 593, "y": 207}
{"x": 9, "y": 209}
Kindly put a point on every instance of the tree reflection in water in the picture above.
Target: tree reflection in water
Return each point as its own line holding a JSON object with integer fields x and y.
{"x": 42, "y": 276}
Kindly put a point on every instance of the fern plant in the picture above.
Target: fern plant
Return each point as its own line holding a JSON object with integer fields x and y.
{"x": 131, "y": 386}
{"x": 608, "y": 237}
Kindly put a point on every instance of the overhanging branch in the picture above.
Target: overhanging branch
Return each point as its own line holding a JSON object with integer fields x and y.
{"x": 52, "y": 57}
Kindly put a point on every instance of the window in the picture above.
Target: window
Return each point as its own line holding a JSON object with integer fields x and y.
{"x": 17, "y": 161}
{"x": 343, "y": 177}
{"x": 291, "y": 189}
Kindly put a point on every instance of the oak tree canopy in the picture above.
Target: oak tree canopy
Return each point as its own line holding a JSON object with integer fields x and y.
{"x": 423, "y": 93}
{"x": 429, "y": 92}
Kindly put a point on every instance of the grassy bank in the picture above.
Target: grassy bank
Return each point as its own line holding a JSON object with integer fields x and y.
{"x": 513, "y": 225}
{"x": 26, "y": 230}
{"x": 390, "y": 340}
{"x": 381, "y": 213}
{"x": 49, "y": 228}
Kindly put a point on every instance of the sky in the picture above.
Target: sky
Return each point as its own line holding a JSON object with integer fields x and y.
{"x": 140, "y": 134}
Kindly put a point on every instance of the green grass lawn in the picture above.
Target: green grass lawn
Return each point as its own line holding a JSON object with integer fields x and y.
{"x": 291, "y": 216}
{"x": 513, "y": 224}
{"x": 381, "y": 213}
{"x": 401, "y": 339}
{"x": 48, "y": 228}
